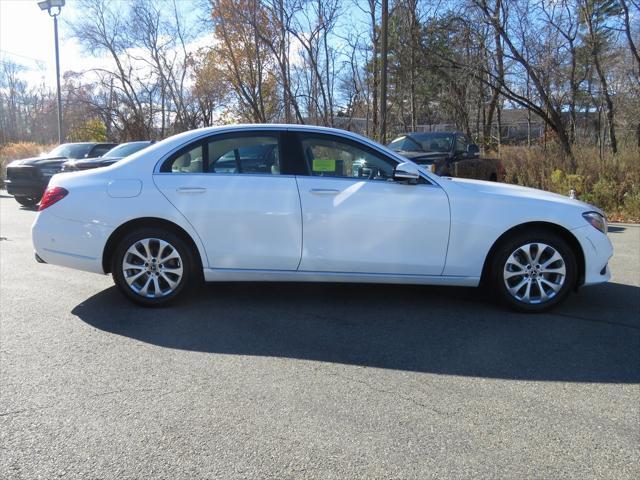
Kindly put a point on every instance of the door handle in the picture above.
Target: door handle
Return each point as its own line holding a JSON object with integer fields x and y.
{"x": 191, "y": 190}
{"x": 324, "y": 191}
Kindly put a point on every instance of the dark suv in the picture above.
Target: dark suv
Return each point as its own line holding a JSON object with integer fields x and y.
{"x": 27, "y": 179}
{"x": 448, "y": 154}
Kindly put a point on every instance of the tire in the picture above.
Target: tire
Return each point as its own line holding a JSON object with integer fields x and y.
{"x": 533, "y": 271}
{"x": 27, "y": 201}
{"x": 159, "y": 272}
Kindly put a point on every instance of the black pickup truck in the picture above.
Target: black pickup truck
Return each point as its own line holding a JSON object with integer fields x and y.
{"x": 27, "y": 179}
{"x": 448, "y": 154}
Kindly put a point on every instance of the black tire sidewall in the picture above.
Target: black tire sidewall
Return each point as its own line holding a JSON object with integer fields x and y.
{"x": 534, "y": 236}
{"x": 168, "y": 236}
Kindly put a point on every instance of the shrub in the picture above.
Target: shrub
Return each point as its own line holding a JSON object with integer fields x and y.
{"x": 632, "y": 206}
{"x": 611, "y": 183}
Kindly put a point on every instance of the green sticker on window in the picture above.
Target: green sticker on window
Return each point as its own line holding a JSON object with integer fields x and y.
{"x": 324, "y": 165}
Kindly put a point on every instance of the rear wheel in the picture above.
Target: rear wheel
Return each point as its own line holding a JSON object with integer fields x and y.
{"x": 152, "y": 266}
{"x": 534, "y": 271}
{"x": 27, "y": 201}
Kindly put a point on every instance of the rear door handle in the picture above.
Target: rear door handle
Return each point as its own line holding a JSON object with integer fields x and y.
{"x": 191, "y": 189}
{"x": 324, "y": 191}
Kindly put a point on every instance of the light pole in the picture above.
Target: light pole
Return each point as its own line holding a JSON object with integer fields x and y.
{"x": 54, "y": 7}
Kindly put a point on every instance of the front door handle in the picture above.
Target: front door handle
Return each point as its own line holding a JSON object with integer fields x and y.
{"x": 324, "y": 191}
{"x": 191, "y": 189}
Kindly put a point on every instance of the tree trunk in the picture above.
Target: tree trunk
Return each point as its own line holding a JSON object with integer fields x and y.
{"x": 383, "y": 71}
{"x": 609, "y": 102}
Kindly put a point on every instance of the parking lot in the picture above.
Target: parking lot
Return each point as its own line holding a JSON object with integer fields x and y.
{"x": 313, "y": 381}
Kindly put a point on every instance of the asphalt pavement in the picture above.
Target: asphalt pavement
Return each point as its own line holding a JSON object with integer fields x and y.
{"x": 313, "y": 380}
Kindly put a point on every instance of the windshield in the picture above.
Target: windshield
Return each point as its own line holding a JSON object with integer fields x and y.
{"x": 423, "y": 142}
{"x": 125, "y": 149}
{"x": 71, "y": 150}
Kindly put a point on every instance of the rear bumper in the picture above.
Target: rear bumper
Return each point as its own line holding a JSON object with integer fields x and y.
{"x": 69, "y": 243}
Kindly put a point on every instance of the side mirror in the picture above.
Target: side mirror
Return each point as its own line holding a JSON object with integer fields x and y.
{"x": 473, "y": 150}
{"x": 406, "y": 172}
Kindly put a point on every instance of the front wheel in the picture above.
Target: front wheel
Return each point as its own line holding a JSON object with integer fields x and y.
{"x": 152, "y": 267}
{"x": 534, "y": 271}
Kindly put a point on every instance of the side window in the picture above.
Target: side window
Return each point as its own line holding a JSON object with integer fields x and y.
{"x": 328, "y": 157}
{"x": 99, "y": 150}
{"x": 461, "y": 144}
{"x": 244, "y": 154}
{"x": 187, "y": 162}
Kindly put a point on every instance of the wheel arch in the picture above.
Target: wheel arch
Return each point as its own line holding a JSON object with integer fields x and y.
{"x": 552, "y": 227}
{"x": 152, "y": 222}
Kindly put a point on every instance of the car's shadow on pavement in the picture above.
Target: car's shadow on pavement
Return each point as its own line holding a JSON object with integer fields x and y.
{"x": 594, "y": 337}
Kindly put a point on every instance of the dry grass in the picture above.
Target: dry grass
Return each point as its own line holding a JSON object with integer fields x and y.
{"x": 612, "y": 183}
{"x": 18, "y": 151}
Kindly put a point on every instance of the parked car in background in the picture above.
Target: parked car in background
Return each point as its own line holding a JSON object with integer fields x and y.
{"x": 109, "y": 158}
{"x": 312, "y": 204}
{"x": 27, "y": 179}
{"x": 448, "y": 154}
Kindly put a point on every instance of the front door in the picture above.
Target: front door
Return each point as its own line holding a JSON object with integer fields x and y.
{"x": 357, "y": 219}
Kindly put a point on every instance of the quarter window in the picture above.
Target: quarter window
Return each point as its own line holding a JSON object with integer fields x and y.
{"x": 327, "y": 157}
{"x": 188, "y": 162}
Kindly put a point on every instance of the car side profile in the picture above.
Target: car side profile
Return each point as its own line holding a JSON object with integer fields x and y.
{"x": 302, "y": 203}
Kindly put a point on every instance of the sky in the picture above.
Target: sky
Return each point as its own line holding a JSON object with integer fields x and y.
{"x": 26, "y": 37}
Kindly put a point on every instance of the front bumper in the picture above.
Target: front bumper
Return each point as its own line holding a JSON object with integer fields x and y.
{"x": 26, "y": 188}
{"x": 598, "y": 250}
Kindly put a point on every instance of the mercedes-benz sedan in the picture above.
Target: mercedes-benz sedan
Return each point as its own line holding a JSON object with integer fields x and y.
{"x": 298, "y": 203}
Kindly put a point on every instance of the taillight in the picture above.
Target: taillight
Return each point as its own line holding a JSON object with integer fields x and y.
{"x": 51, "y": 196}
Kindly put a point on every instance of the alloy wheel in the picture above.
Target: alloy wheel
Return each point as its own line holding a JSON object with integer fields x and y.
{"x": 534, "y": 273}
{"x": 152, "y": 267}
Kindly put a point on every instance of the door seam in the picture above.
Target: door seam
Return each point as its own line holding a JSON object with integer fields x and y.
{"x": 301, "y": 225}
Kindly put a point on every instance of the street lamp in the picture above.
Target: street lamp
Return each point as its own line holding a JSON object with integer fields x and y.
{"x": 54, "y": 7}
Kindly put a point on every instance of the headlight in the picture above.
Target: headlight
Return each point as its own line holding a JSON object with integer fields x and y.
{"x": 596, "y": 220}
{"x": 49, "y": 172}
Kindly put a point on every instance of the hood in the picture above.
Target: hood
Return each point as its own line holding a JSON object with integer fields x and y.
{"x": 86, "y": 162}
{"x": 516, "y": 191}
{"x": 89, "y": 163}
{"x": 39, "y": 161}
{"x": 98, "y": 160}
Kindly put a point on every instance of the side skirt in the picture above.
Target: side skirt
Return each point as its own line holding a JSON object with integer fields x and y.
{"x": 240, "y": 275}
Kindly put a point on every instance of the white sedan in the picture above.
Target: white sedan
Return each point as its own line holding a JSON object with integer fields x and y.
{"x": 298, "y": 203}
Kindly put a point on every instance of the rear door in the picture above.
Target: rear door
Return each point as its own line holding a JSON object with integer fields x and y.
{"x": 230, "y": 187}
